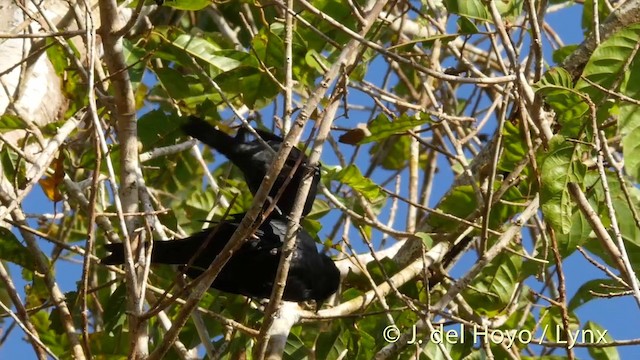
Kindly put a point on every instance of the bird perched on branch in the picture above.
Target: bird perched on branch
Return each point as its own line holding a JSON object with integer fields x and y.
{"x": 253, "y": 159}
{"x": 252, "y": 269}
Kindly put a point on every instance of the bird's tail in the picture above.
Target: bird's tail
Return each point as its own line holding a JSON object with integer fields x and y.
{"x": 117, "y": 254}
{"x": 205, "y": 132}
{"x": 164, "y": 252}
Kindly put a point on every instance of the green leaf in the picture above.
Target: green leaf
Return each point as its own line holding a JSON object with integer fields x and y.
{"x": 252, "y": 83}
{"x": 630, "y": 233}
{"x": 156, "y": 129}
{"x": 190, "y": 5}
{"x": 456, "y": 348}
{"x": 135, "y": 58}
{"x": 583, "y": 295}
{"x": 73, "y": 86}
{"x": 352, "y": 177}
{"x": 331, "y": 344}
{"x": 466, "y": 26}
{"x": 578, "y": 235}
{"x": 13, "y": 251}
{"x": 514, "y": 147}
{"x": 10, "y": 122}
{"x": 460, "y": 202}
{"x": 58, "y": 344}
{"x": 594, "y": 333}
{"x": 174, "y": 173}
{"x": 207, "y": 51}
{"x": 492, "y": 290}
{"x": 607, "y": 63}
{"x": 378, "y": 274}
{"x": 552, "y": 326}
{"x": 294, "y": 348}
{"x": 4, "y": 294}
{"x": 106, "y": 346}
{"x": 474, "y": 9}
{"x": 397, "y": 150}
{"x": 55, "y": 318}
{"x": 560, "y": 54}
{"x": 382, "y": 127}
{"x": 629, "y": 121}
{"x": 426, "y": 239}
{"x": 588, "y": 16}
{"x": 425, "y": 42}
{"x": 557, "y": 88}
{"x": 114, "y": 310}
{"x": 558, "y": 167}
{"x": 175, "y": 83}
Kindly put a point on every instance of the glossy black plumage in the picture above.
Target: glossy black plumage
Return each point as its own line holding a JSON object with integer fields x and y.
{"x": 253, "y": 159}
{"x": 251, "y": 270}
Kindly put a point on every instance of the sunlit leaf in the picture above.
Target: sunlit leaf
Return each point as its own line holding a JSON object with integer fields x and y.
{"x": 51, "y": 184}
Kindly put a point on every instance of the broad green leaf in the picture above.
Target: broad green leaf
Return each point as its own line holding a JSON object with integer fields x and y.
{"x": 557, "y": 88}
{"x": 207, "y": 51}
{"x": 196, "y": 207}
{"x": 558, "y": 167}
{"x": 455, "y": 347}
{"x": 352, "y": 177}
{"x": 378, "y": 274}
{"x": 594, "y": 333}
{"x": 108, "y": 346}
{"x": 474, "y": 9}
{"x": 584, "y": 295}
{"x": 551, "y": 324}
{"x": 382, "y": 127}
{"x": 629, "y": 121}
{"x": 426, "y": 42}
{"x": 176, "y": 84}
{"x": 492, "y": 290}
{"x": 156, "y": 129}
{"x": 459, "y": 202}
{"x": 192, "y": 5}
{"x": 10, "y": 122}
{"x": 55, "y": 319}
{"x": 628, "y": 230}
{"x": 363, "y": 345}
{"x": 72, "y": 86}
{"x": 12, "y": 250}
{"x": 560, "y": 54}
{"x": 466, "y": 26}
{"x": 174, "y": 173}
{"x": 340, "y": 11}
{"x": 4, "y": 293}
{"x": 578, "y": 234}
{"x": 255, "y": 87}
{"x": 331, "y": 345}
{"x": 514, "y": 147}
{"x": 426, "y": 239}
{"x": 188, "y": 89}
{"x": 135, "y": 57}
{"x": 397, "y": 150}
{"x": 58, "y": 344}
{"x": 294, "y": 348}
{"x": 588, "y": 15}
{"x": 608, "y": 61}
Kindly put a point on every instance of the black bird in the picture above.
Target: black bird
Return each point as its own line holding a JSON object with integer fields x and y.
{"x": 254, "y": 159}
{"x": 252, "y": 269}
